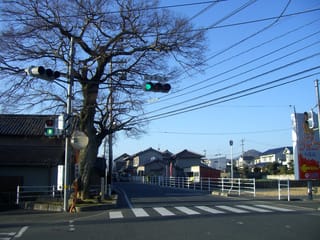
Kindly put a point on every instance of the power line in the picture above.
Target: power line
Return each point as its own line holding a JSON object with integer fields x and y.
{"x": 132, "y": 10}
{"x": 169, "y": 96}
{"x": 221, "y": 133}
{"x": 243, "y": 81}
{"x": 234, "y": 96}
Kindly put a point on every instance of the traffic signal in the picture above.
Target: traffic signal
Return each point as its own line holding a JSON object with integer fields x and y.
{"x": 49, "y": 128}
{"x": 311, "y": 119}
{"x": 43, "y": 73}
{"x": 157, "y": 87}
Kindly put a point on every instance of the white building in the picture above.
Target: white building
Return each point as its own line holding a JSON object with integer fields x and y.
{"x": 219, "y": 163}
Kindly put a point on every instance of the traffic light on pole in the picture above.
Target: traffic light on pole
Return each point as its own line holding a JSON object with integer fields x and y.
{"x": 157, "y": 87}
{"x": 49, "y": 128}
{"x": 311, "y": 119}
{"x": 43, "y": 73}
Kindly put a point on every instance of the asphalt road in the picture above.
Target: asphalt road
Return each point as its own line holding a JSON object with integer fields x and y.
{"x": 149, "y": 212}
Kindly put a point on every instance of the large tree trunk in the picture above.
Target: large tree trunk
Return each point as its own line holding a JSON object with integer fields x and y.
{"x": 89, "y": 154}
{"x": 87, "y": 159}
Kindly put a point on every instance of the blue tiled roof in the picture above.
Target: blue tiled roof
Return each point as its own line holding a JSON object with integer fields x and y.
{"x": 276, "y": 150}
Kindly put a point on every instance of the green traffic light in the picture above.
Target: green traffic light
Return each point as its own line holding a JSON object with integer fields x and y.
{"x": 148, "y": 86}
{"x": 49, "y": 132}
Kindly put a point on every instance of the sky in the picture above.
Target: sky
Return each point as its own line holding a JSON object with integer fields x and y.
{"x": 251, "y": 45}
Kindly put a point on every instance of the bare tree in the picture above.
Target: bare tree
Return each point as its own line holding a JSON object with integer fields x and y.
{"x": 116, "y": 43}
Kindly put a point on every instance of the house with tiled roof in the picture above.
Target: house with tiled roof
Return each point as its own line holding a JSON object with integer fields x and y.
{"x": 27, "y": 157}
{"x": 186, "y": 158}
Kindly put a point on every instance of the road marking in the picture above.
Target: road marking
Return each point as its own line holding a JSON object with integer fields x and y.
{"x": 71, "y": 226}
{"x": 209, "y": 210}
{"x": 232, "y": 209}
{"x": 217, "y": 209}
{"x": 21, "y": 232}
{"x": 253, "y": 208}
{"x": 7, "y": 236}
{"x": 275, "y": 208}
{"x": 139, "y": 212}
{"x": 163, "y": 212}
{"x": 115, "y": 215}
{"x": 187, "y": 211}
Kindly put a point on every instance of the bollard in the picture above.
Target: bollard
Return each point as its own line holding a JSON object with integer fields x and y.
{"x": 310, "y": 197}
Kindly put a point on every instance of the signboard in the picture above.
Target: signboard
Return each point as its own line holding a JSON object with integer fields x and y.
{"x": 306, "y": 147}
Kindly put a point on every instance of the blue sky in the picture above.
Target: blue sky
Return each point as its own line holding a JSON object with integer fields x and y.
{"x": 241, "y": 56}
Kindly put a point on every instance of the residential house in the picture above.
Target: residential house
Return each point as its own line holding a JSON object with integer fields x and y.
{"x": 219, "y": 163}
{"x": 27, "y": 157}
{"x": 186, "y": 159}
{"x": 151, "y": 162}
{"x": 190, "y": 164}
{"x": 120, "y": 163}
{"x": 282, "y": 155}
{"x": 248, "y": 159}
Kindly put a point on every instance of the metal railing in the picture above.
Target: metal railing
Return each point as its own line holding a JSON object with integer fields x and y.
{"x": 284, "y": 184}
{"x": 236, "y": 186}
{"x": 31, "y": 193}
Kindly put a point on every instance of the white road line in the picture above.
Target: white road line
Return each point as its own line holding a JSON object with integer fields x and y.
{"x": 115, "y": 215}
{"x": 254, "y": 209}
{"x": 232, "y": 209}
{"x": 71, "y": 226}
{"x": 210, "y": 210}
{"x": 275, "y": 208}
{"x": 187, "y": 211}
{"x": 140, "y": 212}
{"x": 21, "y": 232}
{"x": 163, "y": 211}
{"x": 8, "y": 234}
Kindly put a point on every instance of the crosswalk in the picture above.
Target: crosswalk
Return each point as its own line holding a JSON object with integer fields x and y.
{"x": 13, "y": 235}
{"x": 193, "y": 210}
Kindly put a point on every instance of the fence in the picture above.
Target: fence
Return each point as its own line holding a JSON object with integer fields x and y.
{"x": 31, "y": 193}
{"x": 236, "y": 186}
{"x": 286, "y": 189}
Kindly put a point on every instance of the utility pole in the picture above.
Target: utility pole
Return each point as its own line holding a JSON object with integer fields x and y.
{"x": 242, "y": 146}
{"x": 110, "y": 136}
{"x": 68, "y": 137}
{"x": 316, "y": 84}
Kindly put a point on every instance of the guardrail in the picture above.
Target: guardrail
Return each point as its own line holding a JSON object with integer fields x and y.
{"x": 31, "y": 193}
{"x": 236, "y": 186}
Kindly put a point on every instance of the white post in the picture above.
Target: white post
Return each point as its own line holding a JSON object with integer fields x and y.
{"x": 18, "y": 195}
{"x": 288, "y": 183}
{"x": 279, "y": 189}
{"x": 53, "y": 191}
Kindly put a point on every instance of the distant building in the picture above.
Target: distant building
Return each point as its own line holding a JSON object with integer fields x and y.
{"x": 219, "y": 163}
{"x": 151, "y": 162}
{"x": 248, "y": 159}
{"x": 282, "y": 155}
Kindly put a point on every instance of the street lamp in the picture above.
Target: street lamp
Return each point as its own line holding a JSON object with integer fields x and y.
{"x": 231, "y": 170}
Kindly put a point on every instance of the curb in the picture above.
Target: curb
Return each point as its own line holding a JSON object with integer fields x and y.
{"x": 49, "y": 207}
